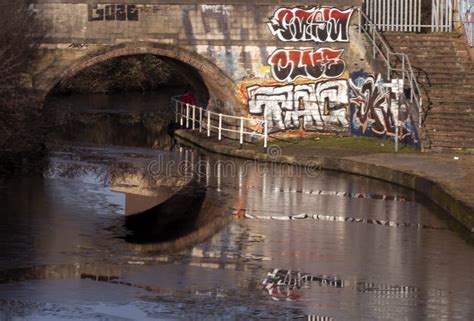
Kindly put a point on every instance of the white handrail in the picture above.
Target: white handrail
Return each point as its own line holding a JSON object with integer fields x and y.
{"x": 186, "y": 113}
{"x": 370, "y": 30}
{"x": 406, "y": 15}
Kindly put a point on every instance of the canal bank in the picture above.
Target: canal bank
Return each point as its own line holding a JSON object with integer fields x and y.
{"x": 446, "y": 179}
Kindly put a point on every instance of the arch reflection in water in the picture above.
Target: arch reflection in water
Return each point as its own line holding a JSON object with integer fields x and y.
{"x": 163, "y": 221}
{"x": 178, "y": 222}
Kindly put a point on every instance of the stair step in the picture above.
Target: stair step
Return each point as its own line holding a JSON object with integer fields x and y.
{"x": 469, "y": 141}
{"x": 440, "y": 126}
{"x": 436, "y": 104}
{"x": 451, "y": 89}
{"x": 436, "y": 92}
{"x": 445, "y": 74}
{"x": 445, "y": 119}
{"x": 426, "y": 53}
{"x": 448, "y": 110}
{"x": 456, "y": 61}
{"x": 433, "y": 43}
{"x": 425, "y": 41}
{"x": 434, "y": 118}
{"x": 427, "y": 66}
{"x": 434, "y": 67}
{"x": 434, "y": 81}
{"x": 434, "y": 72}
{"x": 453, "y": 77}
{"x": 423, "y": 36}
{"x": 451, "y": 144}
{"x": 452, "y": 140}
{"x": 409, "y": 45}
{"x": 441, "y": 146}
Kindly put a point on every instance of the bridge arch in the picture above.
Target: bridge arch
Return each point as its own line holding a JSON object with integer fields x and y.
{"x": 219, "y": 86}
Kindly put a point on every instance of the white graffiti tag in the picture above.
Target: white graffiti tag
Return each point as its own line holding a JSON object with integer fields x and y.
{"x": 315, "y": 106}
{"x": 216, "y": 8}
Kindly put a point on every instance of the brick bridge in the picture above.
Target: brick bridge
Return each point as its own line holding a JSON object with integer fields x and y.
{"x": 305, "y": 64}
{"x": 222, "y": 44}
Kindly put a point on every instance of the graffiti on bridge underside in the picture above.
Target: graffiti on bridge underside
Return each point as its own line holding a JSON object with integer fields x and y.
{"x": 319, "y": 24}
{"x": 289, "y": 64}
{"x": 312, "y": 106}
{"x": 375, "y": 109}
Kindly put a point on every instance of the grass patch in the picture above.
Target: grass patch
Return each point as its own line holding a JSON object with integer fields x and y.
{"x": 366, "y": 144}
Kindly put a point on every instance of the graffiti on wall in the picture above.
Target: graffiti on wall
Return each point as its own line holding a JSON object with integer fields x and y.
{"x": 112, "y": 12}
{"x": 376, "y": 110}
{"x": 290, "y": 64}
{"x": 216, "y": 9}
{"x": 319, "y": 24}
{"x": 312, "y": 106}
{"x": 307, "y": 92}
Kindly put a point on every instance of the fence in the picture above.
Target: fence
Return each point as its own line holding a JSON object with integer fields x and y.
{"x": 396, "y": 63}
{"x": 466, "y": 16}
{"x": 410, "y": 15}
{"x": 198, "y": 118}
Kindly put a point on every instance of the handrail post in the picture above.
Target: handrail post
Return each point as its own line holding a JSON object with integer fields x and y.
{"x": 175, "y": 111}
{"x": 181, "y": 114}
{"x": 200, "y": 119}
{"x": 398, "y": 119}
{"x": 208, "y": 123}
{"x": 193, "y": 117}
{"x": 403, "y": 67}
{"x": 241, "y": 132}
{"x": 373, "y": 40}
{"x": 360, "y": 20}
{"x": 187, "y": 115}
{"x": 265, "y": 129}
{"x": 388, "y": 66}
{"x": 420, "y": 114}
{"x": 219, "y": 136}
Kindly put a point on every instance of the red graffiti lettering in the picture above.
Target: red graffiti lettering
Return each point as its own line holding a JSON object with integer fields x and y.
{"x": 287, "y": 64}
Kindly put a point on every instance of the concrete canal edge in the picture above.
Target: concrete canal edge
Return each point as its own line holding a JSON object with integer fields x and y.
{"x": 427, "y": 186}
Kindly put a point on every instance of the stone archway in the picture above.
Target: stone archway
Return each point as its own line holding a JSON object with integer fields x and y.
{"x": 216, "y": 81}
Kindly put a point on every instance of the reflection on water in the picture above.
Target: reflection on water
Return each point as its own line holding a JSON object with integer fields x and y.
{"x": 243, "y": 235}
{"x": 221, "y": 238}
{"x": 118, "y": 119}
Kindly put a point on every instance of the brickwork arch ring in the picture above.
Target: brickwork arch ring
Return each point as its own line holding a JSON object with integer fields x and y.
{"x": 218, "y": 83}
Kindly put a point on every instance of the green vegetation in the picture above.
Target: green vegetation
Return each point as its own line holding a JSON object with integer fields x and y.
{"x": 365, "y": 144}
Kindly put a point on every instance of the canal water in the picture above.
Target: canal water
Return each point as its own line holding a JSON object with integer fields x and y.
{"x": 216, "y": 238}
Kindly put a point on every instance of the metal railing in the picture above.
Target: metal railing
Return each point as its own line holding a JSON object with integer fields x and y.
{"x": 408, "y": 15}
{"x": 198, "y": 118}
{"x": 380, "y": 46}
{"x": 466, "y": 16}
